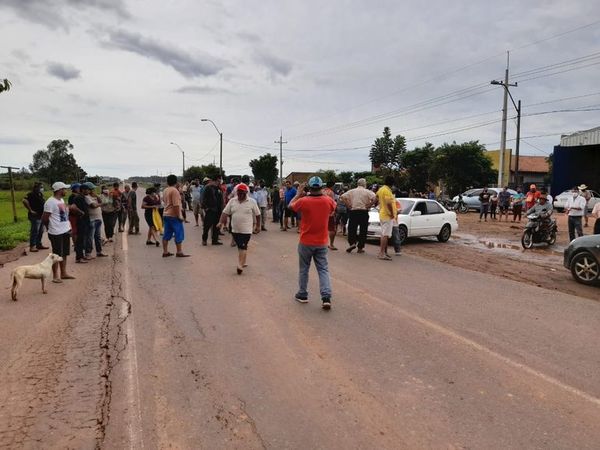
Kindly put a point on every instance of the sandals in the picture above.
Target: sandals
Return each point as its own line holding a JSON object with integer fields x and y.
{"x": 166, "y": 255}
{"x": 384, "y": 257}
{"x": 182, "y": 255}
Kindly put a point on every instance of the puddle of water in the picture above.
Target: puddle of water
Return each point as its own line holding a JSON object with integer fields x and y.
{"x": 507, "y": 246}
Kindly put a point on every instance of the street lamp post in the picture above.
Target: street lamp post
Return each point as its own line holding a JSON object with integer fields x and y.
{"x": 518, "y": 109}
{"x": 220, "y": 145}
{"x": 183, "y": 158}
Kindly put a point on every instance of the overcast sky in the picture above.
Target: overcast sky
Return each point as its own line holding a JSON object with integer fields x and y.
{"x": 121, "y": 79}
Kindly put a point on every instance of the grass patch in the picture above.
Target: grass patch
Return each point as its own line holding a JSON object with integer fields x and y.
{"x": 11, "y": 233}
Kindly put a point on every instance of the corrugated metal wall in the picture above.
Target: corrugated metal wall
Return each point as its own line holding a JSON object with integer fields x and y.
{"x": 589, "y": 137}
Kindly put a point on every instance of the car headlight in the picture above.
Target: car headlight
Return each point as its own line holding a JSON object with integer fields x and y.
{"x": 376, "y": 224}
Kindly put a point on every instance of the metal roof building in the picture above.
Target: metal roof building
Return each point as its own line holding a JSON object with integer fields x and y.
{"x": 586, "y": 137}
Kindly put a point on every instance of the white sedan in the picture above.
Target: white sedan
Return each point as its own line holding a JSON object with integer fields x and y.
{"x": 561, "y": 200}
{"x": 418, "y": 217}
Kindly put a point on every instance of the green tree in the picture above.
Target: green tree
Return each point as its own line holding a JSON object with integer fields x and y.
{"x": 211, "y": 171}
{"x": 417, "y": 164}
{"x": 328, "y": 176}
{"x": 460, "y": 166}
{"x": 57, "y": 163}
{"x": 265, "y": 168}
{"x": 386, "y": 153}
{"x": 4, "y": 85}
{"x": 193, "y": 173}
{"x": 346, "y": 177}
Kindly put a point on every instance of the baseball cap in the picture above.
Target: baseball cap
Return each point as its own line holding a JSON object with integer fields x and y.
{"x": 242, "y": 187}
{"x": 75, "y": 186}
{"x": 89, "y": 185}
{"x": 315, "y": 182}
{"x": 205, "y": 179}
{"x": 59, "y": 185}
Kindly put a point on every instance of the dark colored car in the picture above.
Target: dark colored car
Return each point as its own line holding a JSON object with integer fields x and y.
{"x": 582, "y": 258}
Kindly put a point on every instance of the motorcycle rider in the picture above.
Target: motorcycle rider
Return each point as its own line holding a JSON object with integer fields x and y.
{"x": 544, "y": 211}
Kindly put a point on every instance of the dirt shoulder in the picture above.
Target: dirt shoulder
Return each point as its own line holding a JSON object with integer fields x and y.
{"x": 494, "y": 248}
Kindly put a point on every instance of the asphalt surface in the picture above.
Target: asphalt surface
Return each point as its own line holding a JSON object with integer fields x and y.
{"x": 146, "y": 352}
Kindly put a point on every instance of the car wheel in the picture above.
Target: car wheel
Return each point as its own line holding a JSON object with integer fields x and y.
{"x": 402, "y": 234}
{"x": 444, "y": 234}
{"x": 585, "y": 268}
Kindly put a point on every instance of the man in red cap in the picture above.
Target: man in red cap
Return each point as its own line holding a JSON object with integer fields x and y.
{"x": 531, "y": 197}
{"x": 244, "y": 212}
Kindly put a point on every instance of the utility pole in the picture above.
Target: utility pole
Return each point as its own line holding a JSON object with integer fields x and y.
{"x": 504, "y": 114}
{"x": 518, "y": 143}
{"x": 281, "y": 142}
{"x": 12, "y": 189}
{"x": 221, "y": 155}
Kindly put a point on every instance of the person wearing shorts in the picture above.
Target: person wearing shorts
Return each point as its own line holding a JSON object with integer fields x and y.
{"x": 173, "y": 218}
{"x": 244, "y": 213}
{"x": 331, "y": 225}
{"x": 388, "y": 212}
{"x": 56, "y": 218}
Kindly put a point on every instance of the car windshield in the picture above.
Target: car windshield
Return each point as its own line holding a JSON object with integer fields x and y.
{"x": 406, "y": 206}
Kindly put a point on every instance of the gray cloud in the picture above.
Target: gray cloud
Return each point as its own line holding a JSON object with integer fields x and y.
{"x": 185, "y": 63}
{"x": 201, "y": 90}
{"x": 277, "y": 66}
{"x": 47, "y": 13}
{"x": 249, "y": 37}
{"x": 8, "y": 140}
{"x": 65, "y": 72}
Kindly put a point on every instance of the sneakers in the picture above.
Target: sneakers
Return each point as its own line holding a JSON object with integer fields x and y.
{"x": 352, "y": 247}
{"x": 326, "y": 303}
{"x": 301, "y": 298}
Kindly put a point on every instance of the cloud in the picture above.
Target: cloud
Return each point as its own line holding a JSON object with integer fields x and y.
{"x": 201, "y": 90}
{"x": 65, "y": 72}
{"x": 249, "y": 37}
{"x": 185, "y": 63}
{"x": 277, "y": 66}
{"x": 8, "y": 140}
{"x": 51, "y": 15}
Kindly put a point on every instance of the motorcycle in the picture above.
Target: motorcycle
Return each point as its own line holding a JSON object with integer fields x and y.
{"x": 536, "y": 231}
{"x": 460, "y": 206}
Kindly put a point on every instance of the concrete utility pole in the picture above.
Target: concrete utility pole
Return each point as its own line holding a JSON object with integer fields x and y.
{"x": 12, "y": 189}
{"x": 281, "y": 142}
{"x": 503, "y": 136}
{"x": 220, "y": 145}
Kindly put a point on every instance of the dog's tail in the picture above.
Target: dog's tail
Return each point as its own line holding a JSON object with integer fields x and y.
{"x": 13, "y": 282}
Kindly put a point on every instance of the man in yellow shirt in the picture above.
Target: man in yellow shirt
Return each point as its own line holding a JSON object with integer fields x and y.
{"x": 388, "y": 212}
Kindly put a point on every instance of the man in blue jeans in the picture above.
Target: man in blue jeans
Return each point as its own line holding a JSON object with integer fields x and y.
{"x": 316, "y": 209}
{"x": 34, "y": 202}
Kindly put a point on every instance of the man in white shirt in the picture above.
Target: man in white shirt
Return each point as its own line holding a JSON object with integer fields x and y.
{"x": 575, "y": 209}
{"x": 358, "y": 201}
{"x": 244, "y": 212}
{"x": 261, "y": 195}
{"x": 56, "y": 218}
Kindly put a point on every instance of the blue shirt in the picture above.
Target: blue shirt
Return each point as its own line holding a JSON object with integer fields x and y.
{"x": 289, "y": 195}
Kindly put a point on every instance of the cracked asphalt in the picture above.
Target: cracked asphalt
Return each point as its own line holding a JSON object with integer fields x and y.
{"x": 146, "y": 352}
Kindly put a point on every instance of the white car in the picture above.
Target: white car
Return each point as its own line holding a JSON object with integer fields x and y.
{"x": 418, "y": 217}
{"x": 561, "y": 200}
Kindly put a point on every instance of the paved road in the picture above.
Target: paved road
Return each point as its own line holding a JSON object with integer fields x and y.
{"x": 184, "y": 353}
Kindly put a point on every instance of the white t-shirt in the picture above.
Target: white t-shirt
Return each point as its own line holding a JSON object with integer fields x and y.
{"x": 95, "y": 213}
{"x": 578, "y": 202}
{"x": 59, "y": 216}
{"x": 242, "y": 215}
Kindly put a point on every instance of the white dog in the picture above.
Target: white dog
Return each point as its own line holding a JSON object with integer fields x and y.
{"x": 39, "y": 271}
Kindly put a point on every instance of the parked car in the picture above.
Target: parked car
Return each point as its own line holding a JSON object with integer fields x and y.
{"x": 471, "y": 197}
{"x": 582, "y": 258}
{"x": 561, "y": 200}
{"x": 418, "y": 217}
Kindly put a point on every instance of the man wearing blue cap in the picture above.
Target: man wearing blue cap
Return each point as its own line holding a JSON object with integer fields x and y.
{"x": 314, "y": 238}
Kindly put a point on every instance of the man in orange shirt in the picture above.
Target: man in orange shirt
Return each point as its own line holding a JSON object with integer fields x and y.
{"x": 173, "y": 218}
{"x": 316, "y": 209}
{"x": 531, "y": 197}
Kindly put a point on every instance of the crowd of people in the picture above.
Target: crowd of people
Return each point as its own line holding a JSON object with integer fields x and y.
{"x": 318, "y": 211}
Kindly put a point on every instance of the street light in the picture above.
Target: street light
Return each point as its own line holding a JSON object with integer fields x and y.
{"x": 220, "y": 146}
{"x": 183, "y": 156}
{"x": 518, "y": 109}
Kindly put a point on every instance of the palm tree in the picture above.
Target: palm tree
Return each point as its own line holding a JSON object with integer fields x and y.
{"x": 4, "y": 85}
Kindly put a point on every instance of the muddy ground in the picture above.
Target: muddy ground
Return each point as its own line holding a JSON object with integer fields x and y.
{"x": 494, "y": 247}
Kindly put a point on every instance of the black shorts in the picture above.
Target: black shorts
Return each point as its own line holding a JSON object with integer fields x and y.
{"x": 289, "y": 212}
{"x": 241, "y": 240}
{"x": 61, "y": 244}
{"x": 503, "y": 208}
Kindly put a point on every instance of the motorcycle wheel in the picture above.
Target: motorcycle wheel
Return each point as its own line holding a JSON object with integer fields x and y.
{"x": 552, "y": 239}
{"x": 527, "y": 239}
{"x": 463, "y": 209}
